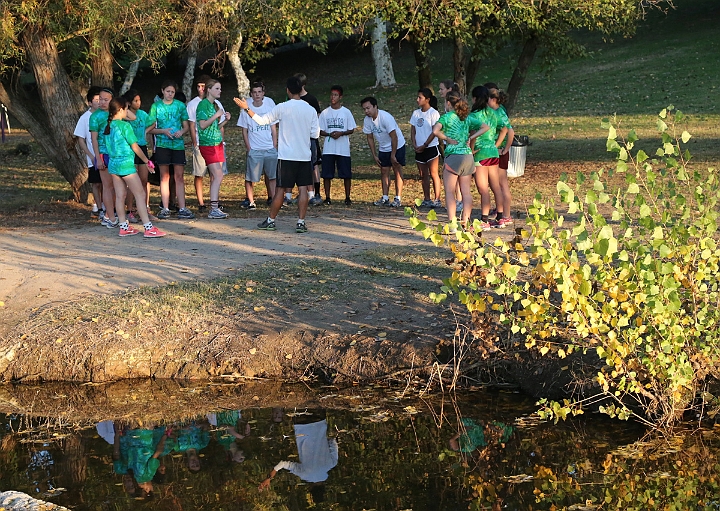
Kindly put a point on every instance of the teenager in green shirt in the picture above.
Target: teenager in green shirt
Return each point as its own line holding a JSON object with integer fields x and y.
{"x": 121, "y": 145}
{"x": 485, "y": 154}
{"x": 504, "y": 143}
{"x": 139, "y": 126}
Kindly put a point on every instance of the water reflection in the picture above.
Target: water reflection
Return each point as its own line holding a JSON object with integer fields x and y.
{"x": 371, "y": 450}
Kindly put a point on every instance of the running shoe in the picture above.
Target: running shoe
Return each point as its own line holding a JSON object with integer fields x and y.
{"x": 154, "y": 232}
{"x": 267, "y": 225}
{"x": 396, "y": 203}
{"x": 216, "y": 214}
{"x": 244, "y": 204}
{"x": 251, "y": 206}
{"x": 295, "y": 201}
{"x": 111, "y": 225}
{"x": 485, "y": 226}
{"x": 287, "y": 202}
{"x": 436, "y": 204}
{"x": 458, "y": 207}
{"x": 95, "y": 213}
{"x": 493, "y": 213}
{"x": 132, "y": 218}
{"x": 163, "y": 213}
{"x": 506, "y": 221}
{"x": 382, "y": 202}
{"x": 348, "y": 202}
{"x": 426, "y": 204}
{"x": 101, "y": 215}
{"x": 130, "y": 231}
{"x": 301, "y": 228}
{"x": 316, "y": 201}
{"x": 185, "y": 214}
{"x": 327, "y": 202}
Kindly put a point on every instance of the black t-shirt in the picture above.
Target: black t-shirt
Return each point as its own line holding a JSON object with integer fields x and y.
{"x": 312, "y": 101}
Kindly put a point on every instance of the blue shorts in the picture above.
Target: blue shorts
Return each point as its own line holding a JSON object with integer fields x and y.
{"x": 343, "y": 164}
{"x": 385, "y": 157}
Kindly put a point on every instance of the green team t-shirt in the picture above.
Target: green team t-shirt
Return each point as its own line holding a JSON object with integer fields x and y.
{"x": 485, "y": 143}
{"x": 98, "y": 121}
{"x": 503, "y": 121}
{"x": 137, "y": 448}
{"x": 168, "y": 116}
{"x": 119, "y": 142}
{"x": 211, "y": 135}
{"x": 139, "y": 125}
{"x": 458, "y": 130}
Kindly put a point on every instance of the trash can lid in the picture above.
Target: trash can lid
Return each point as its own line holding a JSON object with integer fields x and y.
{"x": 521, "y": 141}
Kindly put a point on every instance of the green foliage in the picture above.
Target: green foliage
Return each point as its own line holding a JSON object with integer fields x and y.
{"x": 627, "y": 277}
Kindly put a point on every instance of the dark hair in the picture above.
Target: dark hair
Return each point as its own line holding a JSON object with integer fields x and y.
{"x": 180, "y": 96}
{"x": 449, "y": 84}
{"x": 458, "y": 103}
{"x": 337, "y": 88}
{"x": 116, "y": 104}
{"x": 302, "y": 78}
{"x": 293, "y": 85}
{"x": 257, "y": 83}
{"x": 502, "y": 97}
{"x": 168, "y": 83}
{"x": 92, "y": 92}
{"x": 434, "y": 102}
{"x": 480, "y": 95}
{"x": 491, "y": 85}
{"x": 203, "y": 79}
{"x": 368, "y": 99}
{"x": 108, "y": 90}
{"x": 130, "y": 95}
{"x": 427, "y": 94}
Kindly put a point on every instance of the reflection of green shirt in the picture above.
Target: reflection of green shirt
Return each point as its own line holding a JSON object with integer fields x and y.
{"x": 139, "y": 125}
{"x": 503, "y": 121}
{"x": 458, "y": 130}
{"x": 211, "y": 135}
{"x": 98, "y": 121}
{"x": 168, "y": 116}
{"x": 192, "y": 437}
{"x": 137, "y": 447}
{"x": 474, "y": 435}
{"x": 118, "y": 143}
{"x": 226, "y": 418}
{"x": 485, "y": 143}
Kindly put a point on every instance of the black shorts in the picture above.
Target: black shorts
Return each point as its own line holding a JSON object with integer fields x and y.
{"x": 138, "y": 160}
{"x": 315, "y": 151}
{"x": 343, "y": 164}
{"x": 428, "y": 155}
{"x": 384, "y": 157}
{"x": 504, "y": 160}
{"x": 292, "y": 173}
{"x": 93, "y": 176}
{"x": 164, "y": 156}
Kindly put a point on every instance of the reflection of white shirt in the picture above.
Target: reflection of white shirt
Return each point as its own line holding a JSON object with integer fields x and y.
{"x": 299, "y": 123}
{"x": 82, "y": 130}
{"x": 332, "y": 120}
{"x": 381, "y": 127}
{"x": 106, "y": 430}
{"x": 259, "y": 137}
{"x": 318, "y": 454}
{"x": 424, "y": 122}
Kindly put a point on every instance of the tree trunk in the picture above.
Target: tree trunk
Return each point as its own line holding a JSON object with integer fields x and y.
{"x": 130, "y": 76}
{"x": 472, "y": 68}
{"x": 384, "y": 75}
{"x": 243, "y": 84}
{"x": 422, "y": 64}
{"x": 189, "y": 75}
{"x": 101, "y": 61}
{"x": 459, "y": 64}
{"x": 518, "y": 78}
{"x": 61, "y": 105}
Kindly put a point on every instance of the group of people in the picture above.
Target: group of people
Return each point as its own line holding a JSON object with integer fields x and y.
{"x": 283, "y": 147}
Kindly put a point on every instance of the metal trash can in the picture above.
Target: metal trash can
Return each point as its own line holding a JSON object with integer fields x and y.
{"x": 518, "y": 151}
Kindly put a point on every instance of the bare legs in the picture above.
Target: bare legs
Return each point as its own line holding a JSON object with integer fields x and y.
{"x": 178, "y": 171}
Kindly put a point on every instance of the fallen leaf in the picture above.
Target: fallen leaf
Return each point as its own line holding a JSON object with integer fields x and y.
{"x": 259, "y": 309}
{"x": 288, "y": 356}
{"x": 382, "y": 334}
{"x": 100, "y": 284}
{"x": 253, "y": 351}
{"x": 2, "y": 304}
{"x": 353, "y": 343}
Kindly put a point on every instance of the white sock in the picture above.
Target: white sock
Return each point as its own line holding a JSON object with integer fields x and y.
{"x": 397, "y": 197}
{"x": 270, "y": 219}
{"x": 311, "y": 195}
{"x": 95, "y": 208}
{"x": 288, "y": 196}
{"x": 301, "y": 220}
{"x": 385, "y": 197}
{"x": 148, "y": 226}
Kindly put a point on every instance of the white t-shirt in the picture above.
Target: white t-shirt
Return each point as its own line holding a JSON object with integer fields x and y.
{"x": 192, "y": 112}
{"x": 381, "y": 127}
{"x": 82, "y": 130}
{"x": 332, "y": 120}
{"x": 318, "y": 454}
{"x": 424, "y": 122}
{"x": 259, "y": 137}
{"x": 298, "y": 124}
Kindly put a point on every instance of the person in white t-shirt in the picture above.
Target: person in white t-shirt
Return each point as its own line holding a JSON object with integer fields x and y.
{"x": 261, "y": 143}
{"x": 336, "y": 125}
{"x": 381, "y": 126}
{"x": 427, "y": 150}
{"x": 84, "y": 140}
{"x": 298, "y": 124}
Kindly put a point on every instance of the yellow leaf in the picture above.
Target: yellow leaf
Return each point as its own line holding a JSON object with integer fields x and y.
{"x": 259, "y": 309}
{"x": 2, "y": 304}
{"x": 94, "y": 320}
{"x": 249, "y": 289}
{"x": 253, "y": 351}
{"x": 322, "y": 281}
{"x": 288, "y": 356}
{"x": 382, "y": 334}
{"x": 236, "y": 286}
{"x": 58, "y": 340}
{"x": 544, "y": 350}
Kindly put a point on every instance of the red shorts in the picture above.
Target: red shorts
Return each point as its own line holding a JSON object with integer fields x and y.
{"x": 213, "y": 154}
{"x": 504, "y": 160}
{"x": 489, "y": 162}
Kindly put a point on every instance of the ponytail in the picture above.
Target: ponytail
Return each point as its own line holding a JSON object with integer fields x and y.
{"x": 480, "y": 95}
{"x": 459, "y": 104}
{"x": 116, "y": 105}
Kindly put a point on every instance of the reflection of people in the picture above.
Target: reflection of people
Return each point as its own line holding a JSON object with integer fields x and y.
{"x": 136, "y": 454}
{"x": 477, "y": 435}
{"x": 227, "y": 423}
{"x": 191, "y": 438}
{"x": 317, "y": 453}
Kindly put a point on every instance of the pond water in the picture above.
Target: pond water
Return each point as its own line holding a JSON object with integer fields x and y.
{"x": 368, "y": 449}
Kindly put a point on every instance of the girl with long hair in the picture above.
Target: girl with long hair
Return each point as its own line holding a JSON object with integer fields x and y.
{"x": 485, "y": 154}
{"x": 427, "y": 152}
{"x": 122, "y": 148}
{"x": 503, "y": 143}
